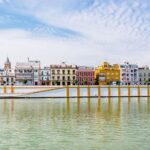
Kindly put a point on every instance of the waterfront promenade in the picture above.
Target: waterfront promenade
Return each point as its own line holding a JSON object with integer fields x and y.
{"x": 73, "y": 91}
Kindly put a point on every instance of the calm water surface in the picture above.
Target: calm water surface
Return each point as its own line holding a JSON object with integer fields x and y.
{"x": 60, "y": 124}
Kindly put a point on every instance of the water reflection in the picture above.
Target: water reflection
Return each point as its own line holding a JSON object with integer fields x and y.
{"x": 148, "y": 104}
{"x": 60, "y": 122}
{"x": 111, "y": 105}
{"x": 129, "y": 102}
{"x": 99, "y": 105}
{"x": 78, "y": 105}
{"x": 89, "y": 105}
{"x": 67, "y": 105}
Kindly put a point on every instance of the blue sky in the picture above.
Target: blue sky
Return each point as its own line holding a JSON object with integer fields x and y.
{"x": 76, "y": 31}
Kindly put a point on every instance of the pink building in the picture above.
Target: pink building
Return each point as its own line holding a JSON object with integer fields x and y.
{"x": 85, "y": 76}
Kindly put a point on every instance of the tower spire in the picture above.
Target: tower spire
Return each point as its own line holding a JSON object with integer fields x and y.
{"x": 7, "y": 64}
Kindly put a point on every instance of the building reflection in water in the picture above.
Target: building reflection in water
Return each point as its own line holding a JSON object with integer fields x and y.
{"x": 119, "y": 105}
{"x": 89, "y": 105}
{"x": 101, "y": 106}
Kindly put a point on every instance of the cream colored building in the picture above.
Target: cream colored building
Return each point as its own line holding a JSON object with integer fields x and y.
{"x": 63, "y": 74}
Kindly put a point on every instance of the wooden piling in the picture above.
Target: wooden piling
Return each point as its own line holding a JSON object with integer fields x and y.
{"x": 109, "y": 91}
{"x": 4, "y": 90}
{"x": 119, "y": 91}
{"x": 139, "y": 91}
{"x": 99, "y": 91}
{"x": 129, "y": 91}
{"x": 67, "y": 91}
{"x": 88, "y": 92}
{"x": 11, "y": 89}
{"x": 78, "y": 91}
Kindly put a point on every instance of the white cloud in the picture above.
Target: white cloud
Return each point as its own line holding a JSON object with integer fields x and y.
{"x": 112, "y": 31}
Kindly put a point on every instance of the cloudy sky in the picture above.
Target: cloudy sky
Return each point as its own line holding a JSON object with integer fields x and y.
{"x": 84, "y": 32}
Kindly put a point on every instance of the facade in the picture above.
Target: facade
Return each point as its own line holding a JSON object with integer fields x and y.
{"x": 28, "y": 73}
{"x": 7, "y": 74}
{"x": 45, "y": 76}
{"x": 106, "y": 74}
{"x": 129, "y": 74}
{"x": 63, "y": 74}
{"x": 36, "y": 65}
{"x": 24, "y": 74}
{"x": 144, "y": 75}
{"x": 85, "y": 76}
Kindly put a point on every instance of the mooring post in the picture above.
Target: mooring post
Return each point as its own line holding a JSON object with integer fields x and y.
{"x": 129, "y": 94}
{"x": 88, "y": 91}
{"x": 139, "y": 91}
{"x": 109, "y": 91}
{"x": 119, "y": 91}
{"x": 67, "y": 91}
{"x": 4, "y": 89}
{"x": 78, "y": 91}
{"x": 99, "y": 91}
{"x": 11, "y": 89}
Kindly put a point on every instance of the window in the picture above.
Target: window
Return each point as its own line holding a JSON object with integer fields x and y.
{"x": 73, "y": 71}
{"x": 63, "y": 71}
{"x": 68, "y": 71}
{"x": 58, "y": 71}
{"x": 53, "y": 71}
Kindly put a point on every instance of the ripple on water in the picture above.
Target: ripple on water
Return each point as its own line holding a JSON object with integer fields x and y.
{"x": 54, "y": 124}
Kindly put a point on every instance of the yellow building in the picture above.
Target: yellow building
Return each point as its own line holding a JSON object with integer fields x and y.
{"x": 107, "y": 74}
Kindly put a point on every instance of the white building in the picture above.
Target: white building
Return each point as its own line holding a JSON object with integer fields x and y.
{"x": 45, "y": 76}
{"x": 7, "y": 75}
{"x": 129, "y": 74}
{"x": 24, "y": 74}
{"x": 144, "y": 75}
{"x": 28, "y": 73}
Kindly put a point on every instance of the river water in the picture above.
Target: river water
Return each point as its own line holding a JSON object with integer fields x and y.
{"x": 60, "y": 124}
